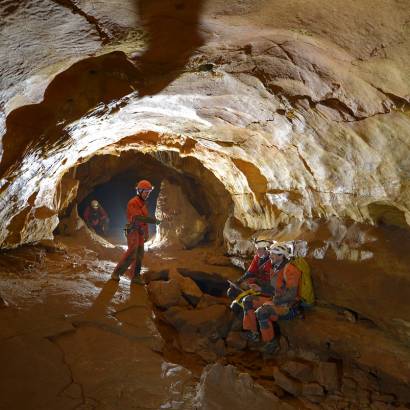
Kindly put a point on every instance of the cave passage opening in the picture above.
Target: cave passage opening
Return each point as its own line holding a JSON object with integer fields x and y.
{"x": 113, "y": 197}
{"x": 188, "y": 196}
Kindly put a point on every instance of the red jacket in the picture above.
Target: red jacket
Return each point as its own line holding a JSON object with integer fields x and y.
{"x": 94, "y": 217}
{"x": 136, "y": 207}
{"x": 261, "y": 271}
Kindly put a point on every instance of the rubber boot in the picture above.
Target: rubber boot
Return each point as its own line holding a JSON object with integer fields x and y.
{"x": 250, "y": 336}
{"x": 271, "y": 347}
{"x": 137, "y": 280}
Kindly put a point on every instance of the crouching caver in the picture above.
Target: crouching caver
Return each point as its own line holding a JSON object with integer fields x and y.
{"x": 284, "y": 304}
{"x": 137, "y": 233}
{"x": 96, "y": 218}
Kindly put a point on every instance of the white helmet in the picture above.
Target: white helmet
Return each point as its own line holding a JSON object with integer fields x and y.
{"x": 94, "y": 204}
{"x": 281, "y": 249}
{"x": 262, "y": 244}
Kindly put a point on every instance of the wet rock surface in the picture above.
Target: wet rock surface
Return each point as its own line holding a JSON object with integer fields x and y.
{"x": 280, "y": 121}
{"x": 165, "y": 294}
{"x": 182, "y": 226}
{"x": 78, "y": 338}
{"x": 82, "y": 331}
{"x": 324, "y": 357}
{"x": 265, "y": 119}
{"x": 225, "y": 387}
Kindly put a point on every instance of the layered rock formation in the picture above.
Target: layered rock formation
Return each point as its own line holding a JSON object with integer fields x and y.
{"x": 293, "y": 119}
{"x": 181, "y": 224}
{"x": 274, "y": 119}
{"x": 293, "y": 122}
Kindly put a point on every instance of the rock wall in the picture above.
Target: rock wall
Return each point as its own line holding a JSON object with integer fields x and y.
{"x": 181, "y": 225}
{"x": 294, "y": 122}
{"x": 300, "y": 114}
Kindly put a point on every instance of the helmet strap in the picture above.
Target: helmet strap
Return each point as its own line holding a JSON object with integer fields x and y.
{"x": 278, "y": 266}
{"x": 140, "y": 191}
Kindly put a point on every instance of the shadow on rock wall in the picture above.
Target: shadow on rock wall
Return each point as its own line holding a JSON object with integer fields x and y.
{"x": 70, "y": 95}
{"x": 173, "y": 31}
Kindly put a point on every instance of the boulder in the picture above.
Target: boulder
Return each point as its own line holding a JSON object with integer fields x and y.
{"x": 235, "y": 341}
{"x": 364, "y": 379}
{"x": 326, "y": 374}
{"x": 224, "y": 387}
{"x": 287, "y": 383}
{"x": 194, "y": 342}
{"x": 314, "y": 375}
{"x": 208, "y": 355}
{"x": 189, "y": 288}
{"x": 312, "y": 389}
{"x": 219, "y": 347}
{"x": 209, "y": 300}
{"x": 385, "y": 398}
{"x": 208, "y": 321}
{"x": 151, "y": 276}
{"x": 209, "y": 282}
{"x": 349, "y": 388}
{"x": 175, "y": 210}
{"x": 302, "y": 371}
{"x": 164, "y": 294}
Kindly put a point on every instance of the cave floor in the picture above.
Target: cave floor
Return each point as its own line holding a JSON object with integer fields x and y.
{"x": 72, "y": 338}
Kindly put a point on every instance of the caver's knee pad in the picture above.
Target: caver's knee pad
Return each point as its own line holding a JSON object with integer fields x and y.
{"x": 263, "y": 313}
{"x": 248, "y": 302}
{"x": 232, "y": 293}
{"x": 237, "y": 309}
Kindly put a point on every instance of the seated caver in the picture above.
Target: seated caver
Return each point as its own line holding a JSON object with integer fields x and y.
{"x": 284, "y": 304}
{"x": 257, "y": 276}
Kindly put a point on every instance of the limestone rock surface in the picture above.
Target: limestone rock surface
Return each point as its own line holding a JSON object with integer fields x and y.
{"x": 266, "y": 103}
{"x": 165, "y": 294}
{"x": 289, "y": 120}
{"x": 325, "y": 333}
{"x": 189, "y": 288}
{"x": 181, "y": 224}
{"x": 224, "y": 387}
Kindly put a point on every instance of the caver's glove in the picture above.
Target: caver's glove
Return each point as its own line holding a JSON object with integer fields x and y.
{"x": 245, "y": 276}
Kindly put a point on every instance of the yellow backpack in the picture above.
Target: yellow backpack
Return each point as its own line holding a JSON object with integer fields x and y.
{"x": 306, "y": 292}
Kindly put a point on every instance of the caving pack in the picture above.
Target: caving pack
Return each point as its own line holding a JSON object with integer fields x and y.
{"x": 306, "y": 292}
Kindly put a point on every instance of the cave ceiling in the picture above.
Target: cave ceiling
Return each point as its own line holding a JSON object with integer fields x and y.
{"x": 301, "y": 112}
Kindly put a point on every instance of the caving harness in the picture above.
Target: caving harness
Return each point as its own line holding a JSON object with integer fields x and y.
{"x": 136, "y": 224}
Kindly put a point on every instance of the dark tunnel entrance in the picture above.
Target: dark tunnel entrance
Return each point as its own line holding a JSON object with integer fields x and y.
{"x": 184, "y": 190}
{"x": 113, "y": 196}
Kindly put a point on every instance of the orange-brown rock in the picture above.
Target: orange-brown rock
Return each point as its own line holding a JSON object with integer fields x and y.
{"x": 224, "y": 386}
{"x": 165, "y": 294}
{"x": 263, "y": 117}
{"x": 325, "y": 333}
{"x": 189, "y": 288}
